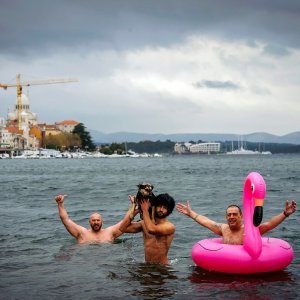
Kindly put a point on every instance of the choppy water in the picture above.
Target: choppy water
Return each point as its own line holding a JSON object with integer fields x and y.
{"x": 40, "y": 260}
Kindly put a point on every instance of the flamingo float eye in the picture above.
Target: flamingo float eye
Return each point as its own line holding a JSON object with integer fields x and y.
{"x": 252, "y": 188}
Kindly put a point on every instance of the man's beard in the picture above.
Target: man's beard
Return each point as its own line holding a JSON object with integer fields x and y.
{"x": 96, "y": 227}
{"x": 160, "y": 216}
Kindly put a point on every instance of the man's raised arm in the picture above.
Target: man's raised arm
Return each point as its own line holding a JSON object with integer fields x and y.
{"x": 290, "y": 208}
{"x": 202, "y": 220}
{"x": 124, "y": 225}
{"x": 155, "y": 229}
{"x": 73, "y": 228}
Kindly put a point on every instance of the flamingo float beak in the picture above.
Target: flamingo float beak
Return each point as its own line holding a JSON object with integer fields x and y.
{"x": 258, "y": 212}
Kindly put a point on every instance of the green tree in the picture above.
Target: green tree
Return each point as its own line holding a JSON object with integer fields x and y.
{"x": 106, "y": 150}
{"x": 86, "y": 140}
{"x": 62, "y": 141}
{"x": 117, "y": 148}
{"x": 113, "y": 148}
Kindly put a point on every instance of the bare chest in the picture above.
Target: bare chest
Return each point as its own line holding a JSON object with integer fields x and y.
{"x": 99, "y": 237}
{"x": 233, "y": 237}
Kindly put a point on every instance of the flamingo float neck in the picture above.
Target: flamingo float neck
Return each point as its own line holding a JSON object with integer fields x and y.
{"x": 253, "y": 197}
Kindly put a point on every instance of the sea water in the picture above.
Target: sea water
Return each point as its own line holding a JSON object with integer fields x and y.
{"x": 40, "y": 260}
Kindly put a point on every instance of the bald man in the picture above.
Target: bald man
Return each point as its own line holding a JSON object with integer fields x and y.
{"x": 95, "y": 234}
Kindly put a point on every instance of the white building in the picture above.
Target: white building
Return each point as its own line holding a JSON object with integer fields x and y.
{"x": 205, "y": 148}
{"x": 6, "y": 138}
{"x": 66, "y": 126}
{"x": 197, "y": 148}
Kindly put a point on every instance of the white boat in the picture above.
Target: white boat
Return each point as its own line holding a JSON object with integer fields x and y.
{"x": 242, "y": 151}
{"x": 39, "y": 154}
{"x": 22, "y": 156}
{"x": 266, "y": 152}
{"x": 98, "y": 155}
{"x": 131, "y": 153}
{"x": 50, "y": 153}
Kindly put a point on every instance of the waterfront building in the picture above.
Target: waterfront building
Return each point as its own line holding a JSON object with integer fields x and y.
{"x": 205, "y": 148}
{"x": 210, "y": 147}
{"x": 66, "y": 126}
{"x": 49, "y": 129}
{"x": 6, "y": 138}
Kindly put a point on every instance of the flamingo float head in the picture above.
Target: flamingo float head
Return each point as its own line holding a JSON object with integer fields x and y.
{"x": 253, "y": 199}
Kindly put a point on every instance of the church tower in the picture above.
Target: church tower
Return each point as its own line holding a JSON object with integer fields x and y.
{"x": 22, "y": 108}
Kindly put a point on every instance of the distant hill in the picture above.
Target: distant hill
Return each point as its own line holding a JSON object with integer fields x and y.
{"x": 261, "y": 137}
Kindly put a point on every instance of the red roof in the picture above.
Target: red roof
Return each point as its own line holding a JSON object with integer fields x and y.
{"x": 67, "y": 122}
{"x": 13, "y": 129}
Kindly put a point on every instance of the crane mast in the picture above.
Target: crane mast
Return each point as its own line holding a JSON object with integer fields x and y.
{"x": 19, "y": 85}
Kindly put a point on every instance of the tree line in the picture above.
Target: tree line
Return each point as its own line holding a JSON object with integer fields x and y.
{"x": 80, "y": 138}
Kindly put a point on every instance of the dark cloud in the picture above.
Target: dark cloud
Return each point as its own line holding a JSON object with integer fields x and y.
{"x": 130, "y": 54}
{"x": 214, "y": 84}
{"x": 34, "y": 26}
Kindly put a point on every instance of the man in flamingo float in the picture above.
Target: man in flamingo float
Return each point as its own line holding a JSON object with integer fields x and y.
{"x": 233, "y": 231}
{"x": 242, "y": 249}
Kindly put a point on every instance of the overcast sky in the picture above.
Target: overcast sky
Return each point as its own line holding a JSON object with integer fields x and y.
{"x": 156, "y": 66}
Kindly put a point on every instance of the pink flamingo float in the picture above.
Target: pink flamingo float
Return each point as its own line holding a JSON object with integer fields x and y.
{"x": 257, "y": 254}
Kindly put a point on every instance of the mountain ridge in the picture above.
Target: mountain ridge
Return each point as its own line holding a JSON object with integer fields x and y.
{"x": 260, "y": 137}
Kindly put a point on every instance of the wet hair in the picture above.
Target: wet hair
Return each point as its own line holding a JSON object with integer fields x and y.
{"x": 166, "y": 200}
{"x": 234, "y": 205}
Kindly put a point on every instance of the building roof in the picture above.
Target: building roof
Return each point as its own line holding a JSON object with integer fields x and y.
{"x": 12, "y": 129}
{"x": 67, "y": 122}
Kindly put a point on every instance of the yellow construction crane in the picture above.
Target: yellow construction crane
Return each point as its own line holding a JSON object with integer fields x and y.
{"x": 20, "y": 84}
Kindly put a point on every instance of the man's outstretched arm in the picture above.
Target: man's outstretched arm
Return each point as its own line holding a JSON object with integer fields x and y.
{"x": 73, "y": 228}
{"x": 185, "y": 209}
{"x": 290, "y": 208}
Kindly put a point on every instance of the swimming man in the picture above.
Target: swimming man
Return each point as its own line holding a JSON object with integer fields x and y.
{"x": 96, "y": 234}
